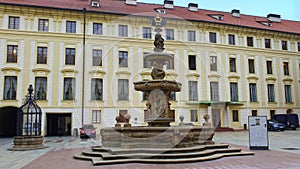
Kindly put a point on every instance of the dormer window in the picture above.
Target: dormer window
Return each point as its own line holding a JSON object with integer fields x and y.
{"x": 266, "y": 23}
{"x": 216, "y": 16}
{"x": 161, "y": 11}
{"x": 95, "y": 3}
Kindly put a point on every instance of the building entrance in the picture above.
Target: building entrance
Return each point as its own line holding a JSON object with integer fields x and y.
{"x": 59, "y": 124}
{"x": 216, "y": 118}
{"x": 8, "y": 121}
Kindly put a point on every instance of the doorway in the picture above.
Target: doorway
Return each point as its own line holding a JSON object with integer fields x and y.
{"x": 216, "y": 118}
{"x": 59, "y": 124}
{"x": 8, "y": 121}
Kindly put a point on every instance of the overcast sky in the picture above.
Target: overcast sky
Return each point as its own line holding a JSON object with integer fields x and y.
{"x": 288, "y": 9}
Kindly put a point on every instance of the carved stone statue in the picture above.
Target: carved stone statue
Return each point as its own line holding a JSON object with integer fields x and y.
{"x": 159, "y": 43}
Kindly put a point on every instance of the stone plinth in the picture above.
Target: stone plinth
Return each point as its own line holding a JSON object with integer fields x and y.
{"x": 23, "y": 143}
{"x": 164, "y": 122}
{"x": 156, "y": 137}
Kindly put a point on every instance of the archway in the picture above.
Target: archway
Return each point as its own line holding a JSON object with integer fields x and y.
{"x": 8, "y": 121}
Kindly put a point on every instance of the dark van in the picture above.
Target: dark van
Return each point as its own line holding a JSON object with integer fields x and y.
{"x": 290, "y": 120}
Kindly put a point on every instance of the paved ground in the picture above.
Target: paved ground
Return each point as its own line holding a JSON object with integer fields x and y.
{"x": 284, "y": 153}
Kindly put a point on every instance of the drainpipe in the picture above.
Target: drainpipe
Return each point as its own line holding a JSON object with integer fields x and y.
{"x": 83, "y": 67}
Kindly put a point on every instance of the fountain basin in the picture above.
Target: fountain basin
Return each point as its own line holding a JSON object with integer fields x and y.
{"x": 165, "y": 85}
{"x": 156, "y": 137}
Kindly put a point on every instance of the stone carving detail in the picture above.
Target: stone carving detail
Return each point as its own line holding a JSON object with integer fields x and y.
{"x": 157, "y": 103}
{"x": 159, "y": 43}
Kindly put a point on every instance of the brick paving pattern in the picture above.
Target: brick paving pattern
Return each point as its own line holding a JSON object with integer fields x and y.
{"x": 284, "y": 153}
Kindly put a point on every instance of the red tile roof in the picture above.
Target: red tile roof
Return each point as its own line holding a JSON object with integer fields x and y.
{"x": 144, "y": 9}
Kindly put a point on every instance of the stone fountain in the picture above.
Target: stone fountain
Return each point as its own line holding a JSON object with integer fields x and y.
{"x": 158, "y": 90}
{"x": 158, "y": 142}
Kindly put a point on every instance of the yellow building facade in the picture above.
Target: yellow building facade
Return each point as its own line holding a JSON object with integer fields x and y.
{"x": 84, "y": 74}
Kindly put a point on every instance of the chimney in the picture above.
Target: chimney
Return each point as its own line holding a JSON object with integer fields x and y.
{"x": 169, "y": 4}
{"x": 131, "y": 2}
{"x": 235, "y": 13}
{"x": 274, "y": 18}
{"x": 95, "y": 3}
{"x": 193, "y": 7}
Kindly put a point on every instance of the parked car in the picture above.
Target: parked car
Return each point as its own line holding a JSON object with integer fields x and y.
{"x": 274, "y": 125}
{"x": 291, "y": 121}
{"x": 88, "y": 131}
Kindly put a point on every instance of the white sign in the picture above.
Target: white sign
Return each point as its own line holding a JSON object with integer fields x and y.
{"x": 258, "y": 133}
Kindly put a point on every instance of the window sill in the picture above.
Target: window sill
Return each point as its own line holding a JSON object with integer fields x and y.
{"x": 289, "y": 103}
{"x": 68, "y": 101}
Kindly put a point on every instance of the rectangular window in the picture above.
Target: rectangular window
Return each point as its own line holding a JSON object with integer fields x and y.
{"x": 97, "y": 28}
{"x": 235, "y": 115}
{"x": 288, "y": 93}
{"x": 249, "y": 41}
{"x": 212, "y": 37}
{"x": 170, "y": 63}
{"x": 269, "y": 67}
{"x": 12, "y": 54}
{"x": 214, "y": 91}
{"x": 170, "y": 34}
{"x": 231, "y": 39}
{"x": 122, "y": 114}
{"x": 70, "y": 56}
{"x": 97, "y": 89}
{"x": 10, "y": 88}
{"x": 123, "y": 89}
{"x": 194, "y": 116}
{"x": 286, "y": 68}
{"x": 192, "y": 62}
{"x": 147, "y": 63}
{"x": 14, "y": 22}
{"x": 40, "y": 88}
{"x": 193, "y": 90}
{"x": 298, "y": 46}
{"x": 97, "y": 57}
{"x": 123, "y": 59}
{"x": 69, "y": 88}
{"x": 41, "y": 55}
{"x": 123, "y": 30}
{"x": 254, "y": 112}
{"x": 271, "y": 94}
{"x": 96, "y": 116}
{"x": 232, "y": 64}
{"x": 272, "y": 113}
{"x": 147, "y": 33}
{"x": 173, "y": 96}
{"x": 251, "y": 65}
{"x": 44, "y": 25}
{"x": 234, "y": 95}
{"x": 71, "y": 27}
{"x": 191, "y": 36}
{"x": 252, "y": 90}
{"x": 284, "y": 45}
{"x": 213, "y": 63}
{"x": 267, "y": 43}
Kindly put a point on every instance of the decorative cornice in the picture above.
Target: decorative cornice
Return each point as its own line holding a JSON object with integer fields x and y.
{"x": 271, "y": 78}
{"x": 69, "y": 71}
{"x": 252, "y": 77}
{"x": 195, "y": 74}
{"x": 287, "y": 79}
{"x": 214, "y": 76}
{"x": 97, "y": 72}
{"x": 40, "y": 70}
{"x": 234, "y": 77}
{"x": 6, "y": 69}
{"x": 123, "y": 72}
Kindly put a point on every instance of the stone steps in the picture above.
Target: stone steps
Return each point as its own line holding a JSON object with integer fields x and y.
{"x": 105, "y": 156}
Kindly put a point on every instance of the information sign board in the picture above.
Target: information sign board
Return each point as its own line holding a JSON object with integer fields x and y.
{"x": 258, "y": 133}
